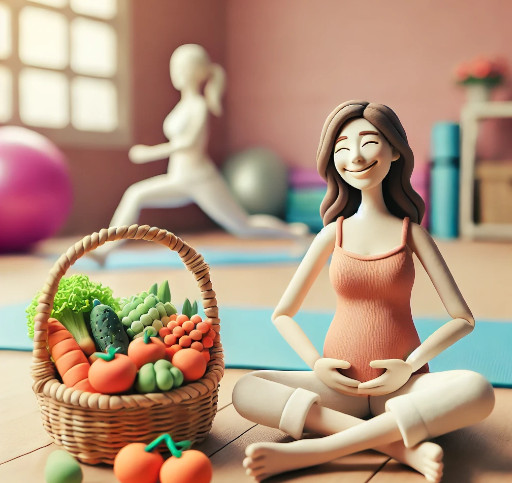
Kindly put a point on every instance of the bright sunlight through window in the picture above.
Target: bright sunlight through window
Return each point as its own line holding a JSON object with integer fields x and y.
{"x": 43, "y": 38}
{"x": 5, "y": 31}
{"x": 64, "y": 69}
{"x": 5, "y": 93}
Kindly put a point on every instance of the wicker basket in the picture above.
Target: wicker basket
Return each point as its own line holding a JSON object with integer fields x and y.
{"x": 94, "y": 427}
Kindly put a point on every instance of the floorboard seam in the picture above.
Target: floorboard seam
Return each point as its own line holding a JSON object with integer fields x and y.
{"x": 378, "y": 469}
{"x": 25, "y": 454}
{"x": 234, "y": 439}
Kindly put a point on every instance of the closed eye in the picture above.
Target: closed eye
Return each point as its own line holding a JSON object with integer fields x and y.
{"x": 339, "y": 149}
{"x": 370, "y": 142}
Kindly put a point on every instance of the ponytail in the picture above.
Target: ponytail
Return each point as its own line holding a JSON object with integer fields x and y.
{"x": 214, "y": 89}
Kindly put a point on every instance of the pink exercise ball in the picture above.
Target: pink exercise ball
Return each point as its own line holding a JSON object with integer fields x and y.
{"x": 35, "y": 188}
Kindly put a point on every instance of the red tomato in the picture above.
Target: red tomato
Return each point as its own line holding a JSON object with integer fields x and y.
{"x": 112, "y": 377}
{"x": 142, "y": 352}
{"x": 135, "y": 465}
{"x": 191, "y": 363}
{"x": 193, "y": 466}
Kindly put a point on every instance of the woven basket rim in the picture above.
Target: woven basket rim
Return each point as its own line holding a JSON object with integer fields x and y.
{"x": 46, "y": 382}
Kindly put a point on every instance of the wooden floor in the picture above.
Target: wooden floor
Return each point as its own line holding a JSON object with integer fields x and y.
{"x": 480, "y": 454}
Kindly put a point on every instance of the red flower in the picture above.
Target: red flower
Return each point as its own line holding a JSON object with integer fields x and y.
{"x": 481, "y": 70}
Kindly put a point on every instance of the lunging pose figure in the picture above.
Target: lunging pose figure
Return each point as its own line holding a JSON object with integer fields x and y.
{"x": 192, "y": 177}
{"x": 371, "y": 388}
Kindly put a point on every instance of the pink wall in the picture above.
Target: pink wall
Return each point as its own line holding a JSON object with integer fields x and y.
{"x": 290, "y": 62}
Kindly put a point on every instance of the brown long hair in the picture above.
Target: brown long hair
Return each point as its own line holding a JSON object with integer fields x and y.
{"x": 341, "y": 199}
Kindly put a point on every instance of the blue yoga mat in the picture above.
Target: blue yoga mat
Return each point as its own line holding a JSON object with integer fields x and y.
{"x": 251, "y": 341}
{"x": 158, "y": 257}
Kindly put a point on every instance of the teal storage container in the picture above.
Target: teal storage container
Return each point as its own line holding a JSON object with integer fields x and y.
{"x": 303, "y": 205}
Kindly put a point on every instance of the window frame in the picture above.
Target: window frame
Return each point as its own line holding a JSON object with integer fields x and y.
{"x": 69, "y": 135}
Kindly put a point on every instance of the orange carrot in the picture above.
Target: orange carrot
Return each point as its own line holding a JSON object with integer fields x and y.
{"x": 71, "y": 362}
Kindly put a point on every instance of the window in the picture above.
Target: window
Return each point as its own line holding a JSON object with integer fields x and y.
{"x": 64, "y": 69}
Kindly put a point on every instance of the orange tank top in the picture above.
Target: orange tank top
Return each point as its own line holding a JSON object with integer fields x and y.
{"x": 373, "y": 317}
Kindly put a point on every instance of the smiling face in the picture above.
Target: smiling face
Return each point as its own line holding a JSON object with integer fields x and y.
{"x": 362, "y": 155}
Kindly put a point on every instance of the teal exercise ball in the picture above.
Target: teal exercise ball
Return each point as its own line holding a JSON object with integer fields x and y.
{"x": 258, "y": 179}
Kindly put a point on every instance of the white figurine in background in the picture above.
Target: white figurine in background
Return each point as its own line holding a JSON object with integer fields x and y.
{"x": 192, "y": 177}
{"x": 371, "y": 388}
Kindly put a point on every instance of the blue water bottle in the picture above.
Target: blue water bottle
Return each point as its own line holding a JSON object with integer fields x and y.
{"x": 444, "y": 180}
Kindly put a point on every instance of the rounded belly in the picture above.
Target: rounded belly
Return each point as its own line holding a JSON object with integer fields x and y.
{"x": 362, "y": 341}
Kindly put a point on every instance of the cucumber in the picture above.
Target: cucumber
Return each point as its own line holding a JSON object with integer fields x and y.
{"x": 107, "y": 330}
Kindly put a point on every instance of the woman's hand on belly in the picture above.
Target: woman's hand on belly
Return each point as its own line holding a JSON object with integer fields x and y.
{"x": 397, "y": 373}
{"x": 326, "y": 370}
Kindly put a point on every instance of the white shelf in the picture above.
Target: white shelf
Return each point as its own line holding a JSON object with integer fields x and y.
{"x": 471, "y": 114}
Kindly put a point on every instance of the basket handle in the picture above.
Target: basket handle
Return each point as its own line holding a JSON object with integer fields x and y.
{"x": 42, "y": 368}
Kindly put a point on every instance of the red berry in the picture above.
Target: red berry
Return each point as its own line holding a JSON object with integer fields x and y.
{"x": 196, "y": 319}
{"x": 206, "y": 354}
{"x": 181, "y": 318}
{"x": 171, "y": 325}
{"x": 196, "y": 334}
{"x": 188, "y": 325}
{"x": 170, "y": 340}
{"x": 185, "y": 341}
{"x": 197, "y": 346}
{"x": 203, "y": 327}
{"x": 163, "y": 332}
{"x": 207, "y": 342}
{"x": 178, "y": 331}
{"x": 211, "y": 334}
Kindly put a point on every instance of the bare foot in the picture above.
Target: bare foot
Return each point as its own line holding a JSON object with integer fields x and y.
{"x": 266, "y": 459}
{"x": 426, "y": 458}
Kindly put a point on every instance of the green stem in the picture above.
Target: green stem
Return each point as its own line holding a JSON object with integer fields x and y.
{"x": 109, "y": 355}
{"x": 147, "y": 336}
{"x": 176, "y": 449}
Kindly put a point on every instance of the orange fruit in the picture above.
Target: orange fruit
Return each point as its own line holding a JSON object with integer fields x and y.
{"x": 191, "y": 363}
{"x": 135, "y": 465}
{"x": 192, "y": 466}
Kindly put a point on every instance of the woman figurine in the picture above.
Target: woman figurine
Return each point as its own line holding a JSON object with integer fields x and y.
{"x": 371, "y": 388}
{"x": 191, "y": 175}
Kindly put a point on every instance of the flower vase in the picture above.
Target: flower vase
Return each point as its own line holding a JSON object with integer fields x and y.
{"x": 478, "y": 93}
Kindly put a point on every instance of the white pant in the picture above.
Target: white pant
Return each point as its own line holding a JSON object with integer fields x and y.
{"x": 427, "y": 406}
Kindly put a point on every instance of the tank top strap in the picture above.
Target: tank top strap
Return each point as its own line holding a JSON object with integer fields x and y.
{"x": 339, "y": 231}
{"x": 405, "y": 229}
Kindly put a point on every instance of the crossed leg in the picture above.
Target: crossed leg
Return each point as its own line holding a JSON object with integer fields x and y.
{"x": 396, "y": 430}
{"x": 380, "y": 433}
